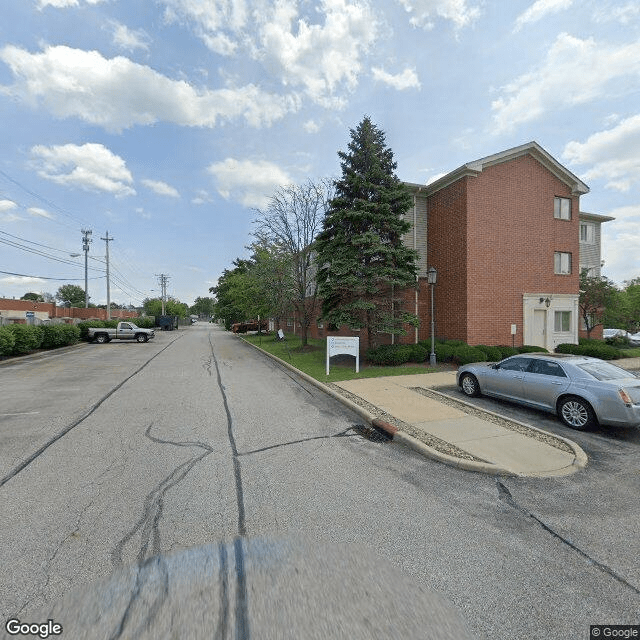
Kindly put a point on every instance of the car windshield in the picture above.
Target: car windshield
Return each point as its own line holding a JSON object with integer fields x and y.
{"x": 605, "y": 371}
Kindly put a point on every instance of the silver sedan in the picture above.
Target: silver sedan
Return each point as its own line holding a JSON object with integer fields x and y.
{"x": 582, "y": 391}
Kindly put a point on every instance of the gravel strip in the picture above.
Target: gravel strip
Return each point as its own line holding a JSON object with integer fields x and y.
{"x": 501, "y": 422}
{"x": 429, "y": 440}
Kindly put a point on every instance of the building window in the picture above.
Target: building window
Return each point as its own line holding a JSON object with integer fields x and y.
{"x": 289, "y": 322}
{"x": 320, "y": 324}
{"x": 587, "y": 233}
{"x": 562, "y": 321}
{"x": 562, "y": 208}
{"x": 561, "y": 263}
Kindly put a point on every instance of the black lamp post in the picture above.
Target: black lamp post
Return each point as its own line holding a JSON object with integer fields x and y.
{"x": 432, "y": 276}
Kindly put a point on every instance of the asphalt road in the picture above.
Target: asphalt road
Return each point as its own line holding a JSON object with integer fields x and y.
{"x": 209, "y": 493}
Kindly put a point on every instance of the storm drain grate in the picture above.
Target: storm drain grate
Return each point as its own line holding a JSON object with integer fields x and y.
{"x": 371, "y": 433}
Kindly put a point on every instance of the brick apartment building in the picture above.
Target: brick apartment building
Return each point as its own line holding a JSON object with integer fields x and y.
{"x": 507, "y": 238}
{"x": 14, "y": 311}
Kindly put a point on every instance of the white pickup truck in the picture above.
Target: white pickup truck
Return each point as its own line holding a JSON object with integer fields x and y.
{"x": 124, "y": 331}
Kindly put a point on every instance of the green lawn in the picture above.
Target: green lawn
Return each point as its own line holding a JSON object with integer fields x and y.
{"x": 313, "y": 362}
{"x": 630, "y": 353}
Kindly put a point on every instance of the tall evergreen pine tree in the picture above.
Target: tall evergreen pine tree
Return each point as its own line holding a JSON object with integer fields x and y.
{"x": 362, "y": 260}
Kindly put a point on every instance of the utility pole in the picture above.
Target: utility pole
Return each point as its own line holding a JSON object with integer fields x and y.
{"x": 162, "y": 281}
{"x": 107, "y": 240}
{"x": 86, "y": 240}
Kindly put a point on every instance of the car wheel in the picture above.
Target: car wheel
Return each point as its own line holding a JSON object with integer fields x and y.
{"x": 102, "y": 338}
{"x": 141, "y": 337}
{"x": 469, "y": 385}
{"x": 576, "y": 413}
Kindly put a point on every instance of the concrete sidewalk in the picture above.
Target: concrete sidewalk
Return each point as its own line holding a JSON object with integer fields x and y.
{"x": 456, "y": 432}
{"x": 492, "y": 447}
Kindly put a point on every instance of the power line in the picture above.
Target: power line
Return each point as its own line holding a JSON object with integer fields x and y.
{"x": 24, "y": 275}
{"x": 41, "y": 198}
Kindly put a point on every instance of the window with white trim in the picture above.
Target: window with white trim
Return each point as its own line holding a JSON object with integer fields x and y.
{"x": 587, "y": 232}
{"x": 562, "y": 263}
{"x": 562, "y": 208}
{"x": 562, "y": 321}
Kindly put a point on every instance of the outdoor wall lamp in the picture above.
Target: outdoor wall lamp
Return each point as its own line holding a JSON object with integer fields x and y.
{"x": 547, "y": 302}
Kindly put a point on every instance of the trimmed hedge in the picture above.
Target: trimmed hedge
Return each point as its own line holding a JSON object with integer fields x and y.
{"x": 27, "y": 338}
{"x": 464, "y": 354}
{"x": 390, "y": 354}
{"x": 493, "y": 353}
{"x": 592, "y": 348}
{"x": 7, "y": 341}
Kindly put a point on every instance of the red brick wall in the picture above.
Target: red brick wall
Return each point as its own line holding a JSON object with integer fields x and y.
{"x": 447, "y": 252}
{"x": 512, "y": 237}
{"x": 63, "y": 312}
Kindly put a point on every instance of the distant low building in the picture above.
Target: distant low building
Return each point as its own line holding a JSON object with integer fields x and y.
{"x": 14, "y": 311}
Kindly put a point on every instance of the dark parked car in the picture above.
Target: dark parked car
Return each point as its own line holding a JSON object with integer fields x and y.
{"x": 582, "y": 391}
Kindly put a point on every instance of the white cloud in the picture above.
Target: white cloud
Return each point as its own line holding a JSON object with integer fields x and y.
{"x": 322, "y": 58}
{"x": 623, "y": 14}
{"x": 320, "y": 52}
{"x": 408, "y": 79}
{"x": 614, "y": 154}
{"x": 161, "y": 188}
{"x": 40, "y": 213}
{"x": 90, "y": 166}
{"x": 63, "y": 4}
{"x": 117, "y": 93}
{"x": 7, "y": 205}
{"x": 21, "y": 280}
{"x": 540, "y": 9}
{"x": 249, "y": 182}
{"x": 620, "y": 242}
{"x": 310, "y": 126}
{"x": 424, "y": 12}
{"x": 130, "y": 39}
{"x": 202, "y": 197}
{"x": 574, "y": 72}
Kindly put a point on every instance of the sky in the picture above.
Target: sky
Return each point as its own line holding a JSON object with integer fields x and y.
{"x": 168, "y": 123}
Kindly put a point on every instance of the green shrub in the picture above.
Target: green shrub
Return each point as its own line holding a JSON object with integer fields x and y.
{"x": 464, "y": 354}
{"x": 444, "y": 351}
{"x": 619, "y": 342}
{"x": 389, "y": 354}
{"x": 144, "y": 323}
{"x": 531, "y": 348}
{"x": 52, "y": 337}
{"x": 418, "y": 353}
{"x": 493, "y": 353}
{"x": 70, "y": 334}
{"x": 592, "y": 348}
{"x": 507, "y": 351}
{"x": 7, "y": 341}
{"x": 27, "y": 338}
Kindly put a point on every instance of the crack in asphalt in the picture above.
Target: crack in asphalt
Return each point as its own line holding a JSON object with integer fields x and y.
{"x": 25, "y": 463}
{"x": 342, "y": 434}
{"x": 150, "y": 562}
{"x": 154, "y": 503}
{"x": 505, "y": 495}
{"x": 241, "y": 607}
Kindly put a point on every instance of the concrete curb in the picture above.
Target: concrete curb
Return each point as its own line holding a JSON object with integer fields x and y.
{"x": 392, "y": 431}
{"x": 580, "y": 457}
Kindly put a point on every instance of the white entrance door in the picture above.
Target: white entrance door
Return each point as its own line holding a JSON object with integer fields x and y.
{"x": 539, "y": 333}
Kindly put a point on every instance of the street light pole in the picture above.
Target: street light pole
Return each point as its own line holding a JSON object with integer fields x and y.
{"x": 107, "y": 240}
{"x": 85, "y": 247}
{"x": 432, "y": 276}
